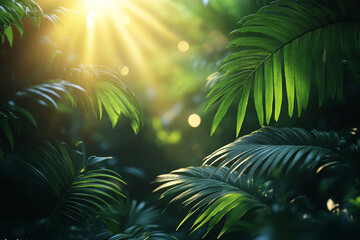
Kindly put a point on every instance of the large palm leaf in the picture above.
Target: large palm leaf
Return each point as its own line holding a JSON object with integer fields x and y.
{"x": 216, "y": 194}
{"x": 280, "y": 149}
{"x": 76, "y": 188}
{"x": 288, "y": 46}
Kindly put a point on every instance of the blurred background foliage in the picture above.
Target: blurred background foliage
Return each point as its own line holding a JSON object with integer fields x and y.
{"x": 164, "y": 52}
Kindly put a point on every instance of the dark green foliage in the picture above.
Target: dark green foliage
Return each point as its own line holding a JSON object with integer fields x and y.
{"x": 215, "y": 194}
{"x": 71, "y": 183}
{"x": 73, "y": 190}
{"x": 257, "y": 180}
{"x": 138, "y": 222}
{"x": 90, "y": 89}
{"x": 280, "y": 150}
{"x": 287, "y": 47}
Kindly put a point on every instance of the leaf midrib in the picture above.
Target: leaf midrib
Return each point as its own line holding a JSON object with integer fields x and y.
{"x": 59, "y": 203}
{"x": 299, "y": 36}
{"x": 234, "y": 186}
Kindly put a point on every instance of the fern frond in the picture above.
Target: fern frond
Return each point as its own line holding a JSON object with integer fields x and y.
{"x": 214, "y": 195}
{"x": 288, "y": 46}
{"x": 280, "y": 149}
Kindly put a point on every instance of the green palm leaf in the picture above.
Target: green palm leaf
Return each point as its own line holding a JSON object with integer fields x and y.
{"x": 12, "y": 12}
{"x": 288, "y": 46}
{"x": 104, "y": 89}
{"x": 79, "y": 190}
{"x": 51, "y": 92}
{"x": 280, "y": 149}
{"x": 214, "y": 195}
{"x": 90, "y": 89}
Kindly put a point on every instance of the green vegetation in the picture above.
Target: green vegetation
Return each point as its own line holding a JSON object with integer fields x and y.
{"x": 65, "y": 85}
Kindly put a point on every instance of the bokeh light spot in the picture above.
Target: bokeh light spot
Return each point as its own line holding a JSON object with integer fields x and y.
{"x": 183, "y": 46}
{"x": 124, "y": 70}
{"x": 194, "y": 120}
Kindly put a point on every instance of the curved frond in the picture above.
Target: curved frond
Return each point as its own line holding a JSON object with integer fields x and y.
{"x": 12, "y": 12}
{"x": 281, "y": 149}
{"x": 214, "y": 195}
{"x": 105, "y": 90}
{"x": 51, "y": 92}
{"x": 91, "y": 89}
{"x": 79, "y": 190}
{"x": 288, "y": 46}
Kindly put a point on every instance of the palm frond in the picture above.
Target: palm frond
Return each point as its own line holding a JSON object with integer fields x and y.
{"x": 51, "y": 92}
{"x": 12, "y": 12}
{"x": 215, "y": 193}
{"x": 90, "y": 89}
{"x": 105, "y": 90}
{"x": 287, "y": 46}
{"x": 280, "y": 149}
{"x": 79, "y": 190}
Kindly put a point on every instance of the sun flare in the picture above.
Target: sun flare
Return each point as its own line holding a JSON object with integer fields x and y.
{"x": 123, "y": 31}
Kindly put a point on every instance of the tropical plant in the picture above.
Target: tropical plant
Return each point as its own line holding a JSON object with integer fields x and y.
{"x": 286, "y": 48}
{"x": 280, "y": 183}
{"x": 139, "y": 224}
{"x": 68, "y": 181}
{"x": 69, "y": 188}
{"x": 249, "y": 173}
{"x": 216, "y": 194}
{"x": 88, "y": 88}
